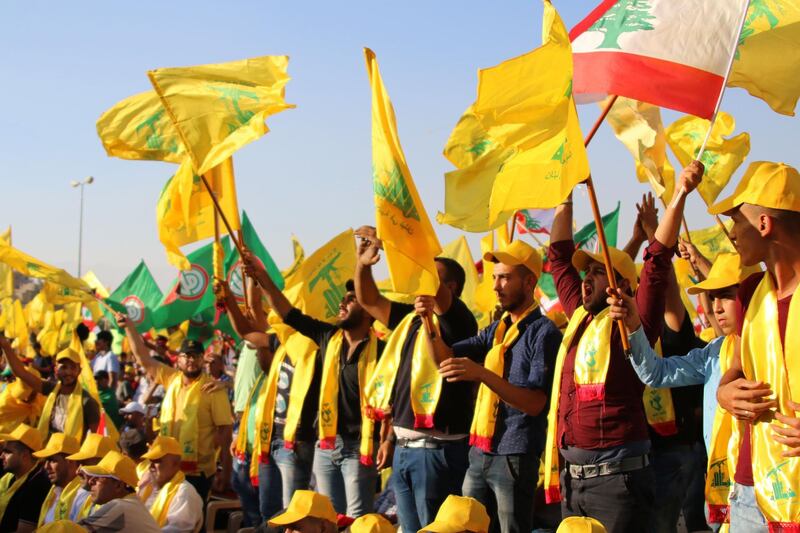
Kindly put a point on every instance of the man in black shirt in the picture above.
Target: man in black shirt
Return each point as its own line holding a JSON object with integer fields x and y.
{"x": 344, "y": 457}
{"x": 24, "y": 484}
{"x": 429, "y": 463}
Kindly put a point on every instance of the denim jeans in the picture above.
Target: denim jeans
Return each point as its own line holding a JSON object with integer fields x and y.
{"x": 423, "y": 477}
{"x": 673, "y": 469}
{"x": 341, "y": 476}
{"x": 507, "y": 482}
{"x": 745, "y": 514}
{"x": 285, "y": 472}
{"x": 248, "y": 494}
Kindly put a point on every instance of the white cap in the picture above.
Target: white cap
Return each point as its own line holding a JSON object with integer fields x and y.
{"x": 133, "y": 407}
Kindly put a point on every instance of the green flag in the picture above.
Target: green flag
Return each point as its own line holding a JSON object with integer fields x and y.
{"x": 139, "y": 296}
{"x": 191, "y": 292}
{"x": 233, "y": 270}
{"x": 586, "y": 236}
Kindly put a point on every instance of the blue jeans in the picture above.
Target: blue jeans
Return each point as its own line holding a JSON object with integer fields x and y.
{"x": 504, "y": 482}
{"x": 673, "y": 470}
{"x": 248, "y": 494}
{"x": 341, "y": 476}
{"x": 286, "y": 472}
{"x": 423, "y": 477}
{"x": 745, "y": 514}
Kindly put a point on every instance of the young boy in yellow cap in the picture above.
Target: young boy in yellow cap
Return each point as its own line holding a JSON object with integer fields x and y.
{"x": 459, "y": 514}
{"x": 762, "y": 387}
{"x": 24, "y": 484}
{"x": 66, "y": 497}
{"x": 308, "y": 512}
{"x": 174, "y": 503}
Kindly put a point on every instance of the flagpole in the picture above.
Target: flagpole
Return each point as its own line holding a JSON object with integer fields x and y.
{"x": 244, "y": 278}
{"x": 218, "y": 208}
{"x": 598, "y": 222}
{"x": 513, "y": 227}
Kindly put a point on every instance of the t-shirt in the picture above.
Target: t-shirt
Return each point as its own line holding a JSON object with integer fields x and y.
{"x": 185, "y": 513}
{"x": 308, "y": 415}
{"x": 453, "y": 413}
{"x": 26, "y": 503}
{"x": 744, "y": 468}
{"x": 247, "y": 371}
{"x": 121, "y": 514}
{"x": 58, "y": 417}
{"x": 107, "y": 361}
{"x": 214, "y": 411}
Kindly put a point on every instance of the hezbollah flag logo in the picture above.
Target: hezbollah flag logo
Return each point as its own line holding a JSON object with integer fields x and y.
{"x": 192, "y": 285}
{"x": 135, "y": 309}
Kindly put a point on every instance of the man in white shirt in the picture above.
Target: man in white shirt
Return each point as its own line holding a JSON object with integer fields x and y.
{"x": 174, "y": 504}
{"x": 105, "y": 359}
{"x": 66, "y": 497}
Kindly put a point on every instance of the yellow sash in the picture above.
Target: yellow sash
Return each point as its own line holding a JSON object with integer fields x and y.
{"x": 658, "y": 407}
{"x": 187, "y": 433}
{"x": 719, "y": 476}
{"x": 8, "y": 489}
{"x": 483, "y": 421}
{"x": 15, "y": 408}
{"x": 426, "y": 383}
{"x": 765, "y": 358}
{"x": 143, "y": 490}
{"x": 73, "y": 425}
{"x": 64, "y": 503}
{"x": 160, "y": 507}
{"x": 87, "y": 509}
{"x": 252, "y": 412}
{"x": 329, "y": 394}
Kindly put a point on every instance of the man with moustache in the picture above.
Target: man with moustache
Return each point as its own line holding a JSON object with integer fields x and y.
{"x": 24, "y": 483}
{"x": 66, "y": 497}
{"x": 93, "y": 449}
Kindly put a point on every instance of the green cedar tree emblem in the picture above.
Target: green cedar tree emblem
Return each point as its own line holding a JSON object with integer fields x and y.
{"x": 395, "y": 191}
{"x": 626, "y": 16}
{"x": 758, "y": 9}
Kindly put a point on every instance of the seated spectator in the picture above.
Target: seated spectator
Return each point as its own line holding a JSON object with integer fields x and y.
{"x": 460, "y": 513}
{"x": 580, "y": 524}
{"x": 308, "y": 512}
{"x": 66, "y": 498}
{"x": 24, "y": 486}
{"x": 371, "y": 523}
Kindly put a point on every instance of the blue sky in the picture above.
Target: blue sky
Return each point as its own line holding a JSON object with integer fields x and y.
{"x": 64, "y": 63}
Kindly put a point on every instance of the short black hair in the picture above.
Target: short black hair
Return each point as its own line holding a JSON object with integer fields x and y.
{"x": 82, "y": 331}
{"x": 349, "y": 285}
{"x": 455, "y": 273}
{"x": 106, "y": 336}
{"x": 101, "y": 374}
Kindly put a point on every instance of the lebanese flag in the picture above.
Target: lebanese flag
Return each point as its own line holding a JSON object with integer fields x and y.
{"x": 670, "y": 53}
{"x": 535, "y": 220}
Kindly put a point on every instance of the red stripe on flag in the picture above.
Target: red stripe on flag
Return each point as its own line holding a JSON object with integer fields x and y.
{"x": 655, "y": 81}
{"x": 593, "y": 17}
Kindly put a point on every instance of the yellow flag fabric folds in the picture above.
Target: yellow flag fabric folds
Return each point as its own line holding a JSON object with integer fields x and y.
{"x": 712, "y": 241}
{"x": 520, "y": 144}
{"x": 638, "y": 126}
{"x": 485, "y": 297}
{"x": 139, "y": 128}
{"x": 95, "y": 283}
{"x": 6, "y": 273}
{"x": 185, "y": 211}
{"x": 722, "y": 156}
{"x": 319, "y": 283}
{"x": 768, "y": 57}
{"x": 299, "y": 257}
{"x": 402, "y": 223}
{"x": 30, "y": 266}
{"x": 218, "y": 108}
{"x": 16, "y": 325}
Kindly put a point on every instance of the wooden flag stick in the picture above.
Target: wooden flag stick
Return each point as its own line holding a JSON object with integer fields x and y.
{"x": 244, "y": 277}
{"x": 598, "y": 222}
{"x": 218, "y": 208}
{"x": 513, "y": 227}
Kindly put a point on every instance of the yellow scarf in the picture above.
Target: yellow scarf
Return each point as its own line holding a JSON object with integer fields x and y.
{"x": 766, "y": 359}
{"x": 658, "y": 407}
{"x": 64, "y": 503}
{"x": 426, "y": 383}
{"x": 329, "y": 396}
{"x": 486, "y": 406}
{"x": 719, "y": 475}
{"x": 187, "y": 434}
{"x": 73, "y": 424}
{"x": 252, "y": 412}
{"x": 8, "y": 489}
{"x": 160, "y": 507}
{"x": 87, "y": 509}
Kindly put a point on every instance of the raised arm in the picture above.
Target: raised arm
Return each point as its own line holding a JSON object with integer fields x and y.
{"x": 561, "y": 230}
{"x": 669, "y": 227}
{"x": 275, "y": 297}
{"x": 138, "y": 346}
{"x": 18, "y": 368}
{"x": 241, "y": 324}
{"x": 367, "y": 292}
{"x": 645, "y": 226}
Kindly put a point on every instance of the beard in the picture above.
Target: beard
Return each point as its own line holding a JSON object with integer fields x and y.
{"x": 193, "y": 374}
{"x": 350, "y": 321}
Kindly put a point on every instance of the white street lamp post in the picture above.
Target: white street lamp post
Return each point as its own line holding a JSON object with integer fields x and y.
{"x": 81, "y": 184}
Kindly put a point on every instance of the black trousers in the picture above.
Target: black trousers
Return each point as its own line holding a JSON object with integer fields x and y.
{"x": 624, "y": 503}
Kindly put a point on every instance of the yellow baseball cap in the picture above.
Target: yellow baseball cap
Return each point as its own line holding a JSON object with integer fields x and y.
{"x": 305, "y": 504}
{"x": 459, "y": 513}
{"x": 621, "y": 261}
{"x": 69, "y": 353}
{"x": 773, "y": 185}
{"x": 163, "y": 446}
{"x": 115, "y": 465}
{"x": 25, "y": 434}
{"x": 95, "y": 446}
{"x": 371, "y": 523}
{"x": 517, "y": 253}
{"x": 581, "y": 524}
{"x": 58, "y": 443}
{"x": 61, "y": 526}
{"x": 726, "y": 271}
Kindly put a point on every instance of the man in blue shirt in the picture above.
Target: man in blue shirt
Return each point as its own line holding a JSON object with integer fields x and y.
{"x": 509, "y": 426}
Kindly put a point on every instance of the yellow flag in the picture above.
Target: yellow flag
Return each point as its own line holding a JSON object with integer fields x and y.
{"x": 767, "y": 59}
{"x": 299, "y": 257}
{"x": 37, "y": 310}
{"x": 218, "y": 108}
{"x": 16, "y": 326}
{"x": 6, "y": 272}
{"x": 712, "y": 241}
{"x": 30, "y": 266}
{"x": 722, "y": 156}
{"x": 59, "y": 295}
{"x": 520, "y": 144}
{"x": 319, "y": 284}
{"x": 96, "y": 285}
{"x": 409, "y": 242}
{"x": 139, "y": 128}
{"x": 458, "y": 250}
{"x": 638, "y": 126}
{"x": 48, "y": 336}
{"x": 485, "y": 297}
{"x": 387, "y": 289}
{"x": 185, "y": 211}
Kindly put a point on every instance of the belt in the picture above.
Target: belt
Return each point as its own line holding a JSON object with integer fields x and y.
{"x": 606, "y": 469}
{"x": 426, "y": 442}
